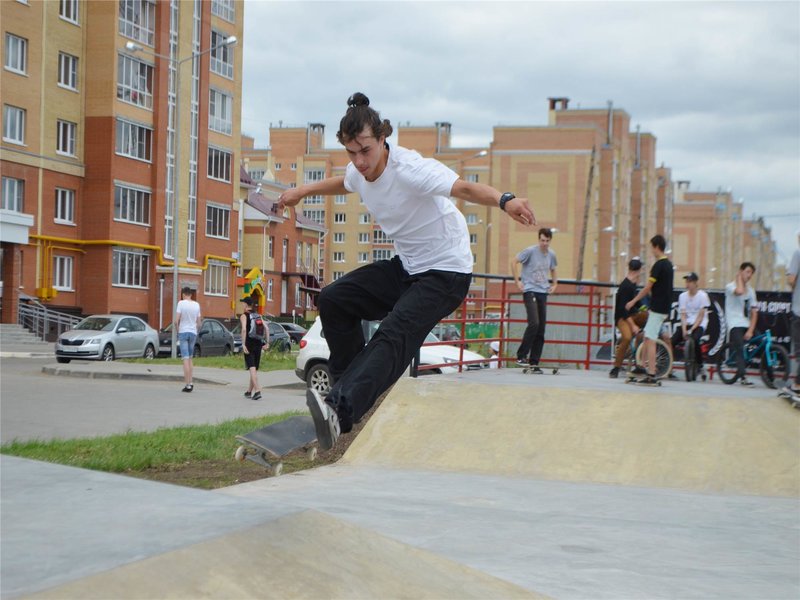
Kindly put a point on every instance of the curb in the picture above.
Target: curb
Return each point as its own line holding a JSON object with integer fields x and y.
{"x": 126, "y": 375}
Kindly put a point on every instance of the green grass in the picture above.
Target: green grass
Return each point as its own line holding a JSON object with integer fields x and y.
{"x": 135, "y": 452}
{"x": 270, "y": 361}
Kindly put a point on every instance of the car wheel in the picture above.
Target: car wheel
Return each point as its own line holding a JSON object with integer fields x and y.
{"x": 61, "y": 359}
{"x": 196, "y": 353}
{"x": 149, "y": 352}
{"x": 319, "y": 378}
{"x": 108, "y": 352}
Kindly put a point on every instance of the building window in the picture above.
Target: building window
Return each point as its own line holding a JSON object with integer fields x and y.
{"x": 364, "y": 219}
{"x": 224, "y": 9}
{"x": 130, "y": 268}
{"x": 16, "y": 54}
{"x": 134, "y": 141}
{"x": 220, "y": 112}
{"x": 277, "y": 166}
{"x": 293, "y": 166}
{"x": 65, "y": 137}
{"x": 137, "y": 20}
{"x": 318, "y": 216}
{"x": 68, "y": 10}
{"x": 257, "y": 174}
{"x": 219, "y": 164}
{"x": 340, "y": 217}
{"x": 221, "y": 55}
{"x": 65, "y": 206}
{"x": 217, "y": 220}
{"x": 471, "y": 219}
{"x": 340, "y": 199}
{"x": 67, "y": 71}
{"x": 338, "y": 275}
{"x": 382, "y": 254}
{"x": 269, "y": 290}
{"x": 131, "y": 205}
{"x": 297, "y": 300}
{"x": 363, "y": 257}
{"x": 473, "y": 239}
{"x": 216, "y": 283}
{"x": 338, "y": 257}
{"x": 338, "y": 237}
{"x": 313, "y": 175}
{"x": 134, "y": 81}
{"x": 379, "y": 237}
{"x": 363, "y": 238}
{"x": 13, "y": 124}
{"x": 62, "y": 273}
{"x": 13, "y": 194}
{"x": 271, "y": 247}
{"x": 313, "y": 200}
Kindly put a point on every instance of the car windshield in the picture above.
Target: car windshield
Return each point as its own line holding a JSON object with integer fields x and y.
{"x": 96, "y": 324}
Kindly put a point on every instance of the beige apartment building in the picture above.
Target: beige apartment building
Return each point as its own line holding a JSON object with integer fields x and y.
{"x": 120, "y": 146}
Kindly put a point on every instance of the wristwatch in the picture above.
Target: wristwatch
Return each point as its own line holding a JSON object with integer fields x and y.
{"x": 505, "y": 198}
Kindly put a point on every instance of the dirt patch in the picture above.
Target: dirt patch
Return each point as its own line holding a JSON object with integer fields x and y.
{"x": 213, "y": 474}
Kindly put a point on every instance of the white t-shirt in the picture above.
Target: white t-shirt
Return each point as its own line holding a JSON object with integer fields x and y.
{"x": 410, "y": 201}
{"x": 737, "y": 308}
{"x": 692, "y": 305}
{"x": 189, "y": 312}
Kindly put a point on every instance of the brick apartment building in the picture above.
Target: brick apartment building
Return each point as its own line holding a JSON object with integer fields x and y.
{"x": 90, "y": 144}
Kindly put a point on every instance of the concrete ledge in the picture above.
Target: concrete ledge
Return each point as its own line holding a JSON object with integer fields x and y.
{"x": 90, "y": 373}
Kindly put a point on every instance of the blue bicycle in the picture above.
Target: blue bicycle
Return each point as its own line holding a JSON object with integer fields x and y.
{"x": 771, "y": 358}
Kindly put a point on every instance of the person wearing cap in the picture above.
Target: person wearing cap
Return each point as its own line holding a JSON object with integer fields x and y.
{"x": 494, "y": 359}
{"x": 628, "y": 322}
{"x": 693, "y": 305}
{"x": 251, "y": 349}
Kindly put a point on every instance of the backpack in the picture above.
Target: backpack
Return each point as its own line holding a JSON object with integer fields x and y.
{"x": 257, "y": 330}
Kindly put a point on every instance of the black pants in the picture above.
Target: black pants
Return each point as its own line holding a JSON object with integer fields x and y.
{"x": 677, "y": 338}
{"x": 533, "y": 338}
{"x": 736, "y": 340}
{"x": 409, "y": 307}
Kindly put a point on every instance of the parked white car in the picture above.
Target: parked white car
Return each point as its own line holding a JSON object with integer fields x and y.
{"x": 106, "y": 337}
{"x": 312, "y": 360}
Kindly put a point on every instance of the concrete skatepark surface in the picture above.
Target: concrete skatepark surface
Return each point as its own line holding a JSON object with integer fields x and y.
{"x": 489, "y": 484}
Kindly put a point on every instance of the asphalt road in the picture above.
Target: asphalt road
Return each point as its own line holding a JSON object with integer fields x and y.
{"x": 36, "y": 405}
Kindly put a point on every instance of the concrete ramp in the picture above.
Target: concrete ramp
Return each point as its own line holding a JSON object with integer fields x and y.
{"x": 305, "y": 555}
{"x": 630, "y": 437}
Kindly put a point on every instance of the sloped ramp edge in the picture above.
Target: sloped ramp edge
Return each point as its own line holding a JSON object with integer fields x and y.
{"x": 745, "y": 446}
{"x": 304, "y": 555}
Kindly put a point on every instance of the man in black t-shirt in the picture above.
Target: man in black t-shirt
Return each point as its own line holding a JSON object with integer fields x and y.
{"x": 659, "y": 286}
{"x": 629, "y": 322}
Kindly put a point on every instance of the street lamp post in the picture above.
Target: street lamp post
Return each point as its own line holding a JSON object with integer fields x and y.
{"x": 176, "y": 63}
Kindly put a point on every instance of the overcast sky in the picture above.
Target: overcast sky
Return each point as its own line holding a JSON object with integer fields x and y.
{"x": 717, "y": 83}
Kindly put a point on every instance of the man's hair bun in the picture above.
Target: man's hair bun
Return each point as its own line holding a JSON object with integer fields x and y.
{"x": 357, "y": 99}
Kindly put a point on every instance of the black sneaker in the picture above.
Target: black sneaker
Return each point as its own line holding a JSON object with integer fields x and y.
{"x": 522, "y": 362}
{"x": 638, "y": 371}
{"x": 188, "y": 388}
{"x": 256, "y": 396}
{"x": 536, "y": 370}
{"x": 247, "y": 394}
{"x": 746, "y": 382}
{"x": 326, "y": 421}
{"x": 614, "y": 373}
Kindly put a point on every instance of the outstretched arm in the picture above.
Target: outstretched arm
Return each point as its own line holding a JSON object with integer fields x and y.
{"x": 480, "y": 193}
{"x": 327, "y": 187}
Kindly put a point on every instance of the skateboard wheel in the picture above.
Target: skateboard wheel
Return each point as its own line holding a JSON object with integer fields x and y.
{"x": 311, "y": 453}
{"x": 240, "y": 454}
{"x": 277, "y": 469}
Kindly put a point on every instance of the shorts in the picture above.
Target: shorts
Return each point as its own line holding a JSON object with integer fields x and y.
{"x": 186, "y": 341}
{"x": 252, "y": 358}
{"x": 653, "y": 326}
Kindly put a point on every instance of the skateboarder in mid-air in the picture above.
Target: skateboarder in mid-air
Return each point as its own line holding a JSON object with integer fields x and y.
{"x": 409, "y": 198}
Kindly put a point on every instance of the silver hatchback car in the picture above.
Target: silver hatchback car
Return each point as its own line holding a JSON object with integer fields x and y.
{"x": 106, "y": 337}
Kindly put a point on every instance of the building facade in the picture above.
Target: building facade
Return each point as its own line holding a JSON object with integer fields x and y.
{"x": 121, "y": 138}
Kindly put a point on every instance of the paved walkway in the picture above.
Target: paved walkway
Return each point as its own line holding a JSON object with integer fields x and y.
{"x": 367, "y": 529}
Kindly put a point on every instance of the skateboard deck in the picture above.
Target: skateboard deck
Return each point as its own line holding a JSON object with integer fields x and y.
{"x": 792, "y": 399}
{"x": 634, "y": 379}
{"x": 529, "y": 371}
{"x": 268, "y": 445}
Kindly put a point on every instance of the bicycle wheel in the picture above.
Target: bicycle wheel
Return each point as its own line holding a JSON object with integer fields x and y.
{"x": 726, "y": 364}
{"x": 775, "y": 374}
{"x": 689, "y": 359}
{"x": 663, "y": 358}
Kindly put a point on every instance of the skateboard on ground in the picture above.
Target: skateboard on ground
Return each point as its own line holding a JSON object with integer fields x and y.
{"x": 634, "y": 379}
{"x": 268, "y": 445}
{"x": 529, "y": 370}
{"x": 791, "y": 398}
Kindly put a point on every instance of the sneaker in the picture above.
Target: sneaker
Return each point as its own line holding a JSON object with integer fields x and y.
{"x": 614, "y": 373}
{"x": 247, "y": 394}
{"x": 638, "y": 371}
{"x": 188, "y": 388}
{"x": 522, "y": 362}
{"x": 326, "y": 422}
{"x": 256, "y": 396}
{"x": 746, "y": 382}
{"x": 536, "y": 370}
{"x": 672, "y": 375}
{"x": 647, "y": 380}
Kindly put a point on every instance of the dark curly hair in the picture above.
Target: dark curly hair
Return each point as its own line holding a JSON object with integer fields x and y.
{"x": 358, "y": 116}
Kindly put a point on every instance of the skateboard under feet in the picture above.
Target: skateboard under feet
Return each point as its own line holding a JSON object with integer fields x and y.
{"x": 635, "y": 380}
{"x": 268, "y": 445}
{"x": 530, "y": 371}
